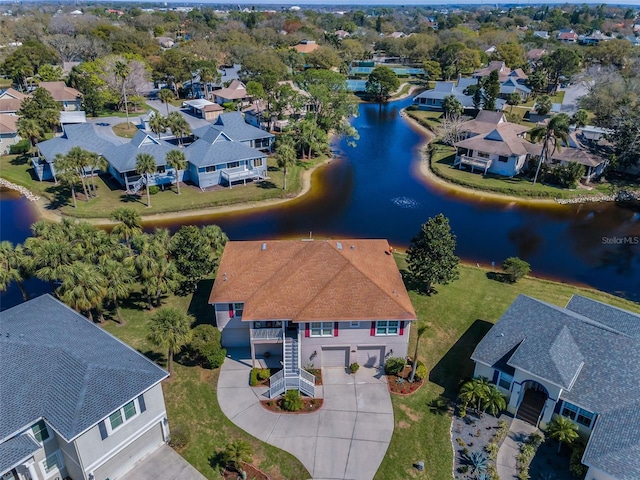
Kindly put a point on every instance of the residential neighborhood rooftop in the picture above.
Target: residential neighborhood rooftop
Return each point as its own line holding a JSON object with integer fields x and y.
{"x": 60, "y": 92}
{"x": 58, "y": 365}
{"x": 317, "y": 280}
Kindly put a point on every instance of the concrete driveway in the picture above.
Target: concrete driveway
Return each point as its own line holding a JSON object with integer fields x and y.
{"x": 346, "y": 439}
{"x": 572, "y": 94}
{"x": 163, "y": 464}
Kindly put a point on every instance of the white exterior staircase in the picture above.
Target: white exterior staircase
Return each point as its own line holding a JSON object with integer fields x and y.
{"x": 291, "y": 377}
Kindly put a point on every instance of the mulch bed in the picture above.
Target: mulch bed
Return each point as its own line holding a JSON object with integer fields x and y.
{"x": 253, "y": 473}
{"x": 317, "y": 373}
{"x": 403, "y": 387}
{"x": 308, "y": 405}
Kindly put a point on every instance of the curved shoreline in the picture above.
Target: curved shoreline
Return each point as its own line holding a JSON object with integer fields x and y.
{"x": 44, "y": 213}
{"x": 428, "y": 175}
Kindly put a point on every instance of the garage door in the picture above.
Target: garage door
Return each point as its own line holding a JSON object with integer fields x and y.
{"x": 235, "y": 337}
{"x": 335, "y": 356}
{"x": 370, "y": 356}
{"x": 125, "y": 460}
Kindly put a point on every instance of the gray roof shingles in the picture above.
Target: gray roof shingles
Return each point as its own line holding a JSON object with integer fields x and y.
{"x": 16, "y": 450}
{"x": 123, "y": 157}
{"x": 75, "y": 135}
{"x": 552, "y": 342}
{"x": 234, "y": 126}
{"x": 59, "y": 366}
{"x": 218, "y": 149}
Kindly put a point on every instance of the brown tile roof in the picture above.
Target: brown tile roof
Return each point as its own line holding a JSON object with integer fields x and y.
{"x": 306, "y": 46}
{"x": 503, "y": 139}
{"x": 312, "y": 281}
{"x": 235, "y": 91}
{"x": 60, "y": 92}
{"x": 8, "y": 123}
{"x": 536, "y": 53}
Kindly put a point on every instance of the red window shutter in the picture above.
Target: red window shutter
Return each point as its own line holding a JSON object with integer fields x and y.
{"x": 335, "y": 329}
{"x": 373, "y": 329}
{"x": 402, "y": 327}
{"x": 231, "y": 310}
{"x": 307, "y": 333}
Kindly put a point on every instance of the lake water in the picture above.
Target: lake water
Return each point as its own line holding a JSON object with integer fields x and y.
{"x": 376, "y": 191}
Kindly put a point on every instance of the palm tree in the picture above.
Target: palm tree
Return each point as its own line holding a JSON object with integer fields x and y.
{"x": 51, "y": 118}
{"x": 31, "y": 129}
{"x": 563, "y": 430}
{"x": 67, "y": 174}
{"x": 208, "y": 75}
{"x": 121, "y": 70}
{"x": 286, "y": 155}
{"x": 13, "y": 267}
{"x": 552, "y": 135}
{"x": 177, "y": 160}
{"x": 580, "y": 118}
{"x": 178, "y": 125}
{"x": 236, "y": 452}
{"x": 82, "y": 288}
{"x": 130, "y": 224}
{"x": 119, "y": 275}
{"x": 170, "y": 329}
{"x": 50, "y": 258}
{"x": 146, "y": 165}
{"x": 165, "y": 95}
{"x": 422, "y": 329}
{"x": 158, "y": 124}
{"x": 94, "y": 161}
{"x": 494, "y": 401}
{"x": 79, "y": 158}
{"x": 513, "y": 100}
{"x": 474, "y": 392}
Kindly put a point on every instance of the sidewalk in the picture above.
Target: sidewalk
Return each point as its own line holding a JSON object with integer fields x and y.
{"x": 506, "y": 462}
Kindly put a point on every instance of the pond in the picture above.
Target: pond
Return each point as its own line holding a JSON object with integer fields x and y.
{"x": 375, "y": 190}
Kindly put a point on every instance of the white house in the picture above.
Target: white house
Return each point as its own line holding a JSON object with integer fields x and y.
{"x": 581, "y": 362}
{"x": 75, "y": 402}
{"x": 324, "y": 303}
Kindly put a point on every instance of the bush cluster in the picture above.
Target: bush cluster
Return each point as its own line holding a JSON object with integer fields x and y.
{"x": 258, "y": 375}
{"x": 292, "y": 401}
{"x": 180, "y": 436}
{"x": 205, "y": 343}
{"x": 20, "y": 147}
{"x": 394, "y": 365}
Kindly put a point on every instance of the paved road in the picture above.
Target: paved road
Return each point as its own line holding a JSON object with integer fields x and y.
{"x": 346, "y": 439}
{"x": 194, "y": 122}
{"x": 103, "y": 127}
{"x": 571, "y": 96}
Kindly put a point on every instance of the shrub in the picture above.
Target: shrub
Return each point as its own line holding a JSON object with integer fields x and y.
{"x": 515, "y": 268}
{"x": 492, "y": 450}
{"x": 20, "y": 147}
{"x": 253, "y": 377}
{"x": 292, "y": 401}
{"x": 394, "y": 365}
{"x": 422, "y": 372}
{"x": 153, "y": 189}
{"x": 263, "y": 373}
{"x": 354, "y": 367}
{"x": 205, "y": 343}
{"x": 180, "y": 436}
{"x": 576, "y": 467}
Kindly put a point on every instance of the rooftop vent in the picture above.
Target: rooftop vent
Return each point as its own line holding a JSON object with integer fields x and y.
{"x": 353, "y": 247}
{"x": 339, "y": 245}
{"x": 264, "y": 246}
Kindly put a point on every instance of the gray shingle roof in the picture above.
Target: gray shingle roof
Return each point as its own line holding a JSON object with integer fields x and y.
{"x": 216, "y": 149}
{"x": 597, "y": 342}
{"x": 75, "y": 135}
{"x": 57, "y": 365}
{"x": 123, "y": 157}
{"x": 15, "y": 451}
{"x": 234, "y": 126}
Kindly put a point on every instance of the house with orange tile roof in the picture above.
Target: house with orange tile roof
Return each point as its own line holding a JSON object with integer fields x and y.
{"x": 326, "y": 303}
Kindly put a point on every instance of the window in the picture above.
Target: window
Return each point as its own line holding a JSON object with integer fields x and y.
{"x": 40, "y": 431}
{"x": 258, "y": 162}
{"x": 238, "y": 308}
{"x": 322, "y": 329}
{"x": 503, "y": 159}
{"x": 233, "y": 164}
{"x": 210, "y": 168}
{"x": 483, "y": 155}
{"x": 577, "y": 414}
{"x": 354, "y": 324}
{"x": 161, "y": 169}
{"x": 122, "y": 416}
{"x": 504, "y": 381}
{"x": 52, "y": 464}
{"x": 387, "y": 327}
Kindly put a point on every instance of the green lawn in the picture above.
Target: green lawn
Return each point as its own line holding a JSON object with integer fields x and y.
{"x": 426, "y": 118}
{"x": 124, "y": 129}
{"x": 459, "y": 315}
{"x": 111, "y": 196}
{"x": 190, "y": 396}
{"x": 442, "y": 161}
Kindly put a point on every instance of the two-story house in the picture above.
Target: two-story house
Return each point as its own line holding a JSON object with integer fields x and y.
{"x": 581, "y": 362}
{"x": 326, "y": 303}
{"x": 69, "y": 98}
{"x": 233, "y": 125}
{"x": 75, "y": 402}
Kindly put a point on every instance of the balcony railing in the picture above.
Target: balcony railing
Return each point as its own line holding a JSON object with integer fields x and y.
{"x": 273, "y": 334}
{"x": 235, "y": 176}
{"x": 474, "y": 162}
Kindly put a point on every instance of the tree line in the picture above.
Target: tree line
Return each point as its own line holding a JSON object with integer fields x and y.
{"x": 93, "y": 270}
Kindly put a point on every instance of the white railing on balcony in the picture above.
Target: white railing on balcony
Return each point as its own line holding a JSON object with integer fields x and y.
{"x": 267, "y": 334}
{"x": 474, "y": 162}
{"x": 235, "y": 176}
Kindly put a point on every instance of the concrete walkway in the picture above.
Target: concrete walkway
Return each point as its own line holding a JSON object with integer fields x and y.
{"x": 346, "y": 439}
{"x": 163, "y": 464}
{"x": 506, "y": 461}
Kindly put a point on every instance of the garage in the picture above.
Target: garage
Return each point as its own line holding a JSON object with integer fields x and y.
{"x": 335, "y": 356}
{"x": 370, "y": 357}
